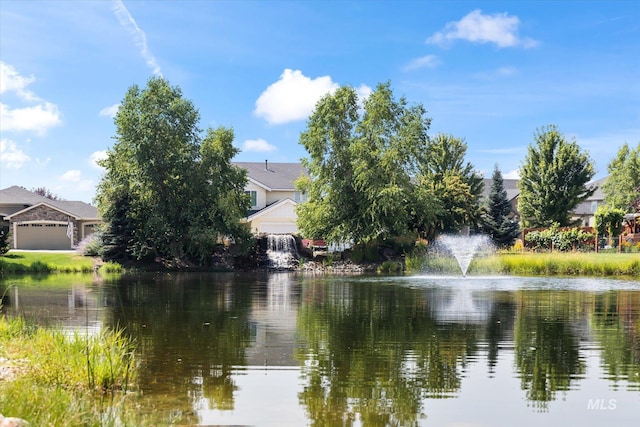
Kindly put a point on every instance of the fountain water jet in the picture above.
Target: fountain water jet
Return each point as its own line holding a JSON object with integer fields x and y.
{"x": 464, "y": 248}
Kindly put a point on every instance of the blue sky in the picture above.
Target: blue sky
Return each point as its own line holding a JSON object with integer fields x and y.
{"x": 487, "y": 71}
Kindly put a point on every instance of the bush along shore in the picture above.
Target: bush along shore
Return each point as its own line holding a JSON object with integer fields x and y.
{"x": 373, "y": 259}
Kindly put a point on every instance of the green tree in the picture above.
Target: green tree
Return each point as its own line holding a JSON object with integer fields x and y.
{"x": 495, "y": 218}
{"x": 553, "y": 180}
{"x": 166, "y": 191}
{"x": 622, "y": 186}
{"x": 361, "y": 166}
{"x": 608, "y": 220}
{"x": 452, "y": 182}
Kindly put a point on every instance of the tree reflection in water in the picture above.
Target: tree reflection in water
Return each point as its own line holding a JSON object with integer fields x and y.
{"x": 370, "y": 352}
{"x": 376, "y": 353}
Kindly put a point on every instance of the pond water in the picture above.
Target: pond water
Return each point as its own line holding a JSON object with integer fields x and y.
{"x": 287, "y": 349}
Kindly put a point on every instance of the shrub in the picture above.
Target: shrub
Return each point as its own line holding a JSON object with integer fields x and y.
{"x": 518, "y": 245}
{"x": 4, "y": 240}
{"x": 390, "y": 267}
{"x": 90, "y": 245}
{"x": 560, "y": 240}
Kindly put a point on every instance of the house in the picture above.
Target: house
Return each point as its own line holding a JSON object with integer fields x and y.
{"x": 585, "y": 211}
{"x": 36, "y": 222}
{"x": 511, "y": 187}
{"x": 271, "y": 187}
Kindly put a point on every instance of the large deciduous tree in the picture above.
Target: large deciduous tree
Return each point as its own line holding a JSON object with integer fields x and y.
{"x": 452, "y": 182}
{"x": 167, "y": 191}
{"x": 622, "y": 186}
{"x": 361, "y": 161}
{"x": 495, "y": 220}
{"x": 554, "y": 177}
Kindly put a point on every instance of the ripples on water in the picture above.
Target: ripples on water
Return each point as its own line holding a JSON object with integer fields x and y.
{"x": 289, "y": 349}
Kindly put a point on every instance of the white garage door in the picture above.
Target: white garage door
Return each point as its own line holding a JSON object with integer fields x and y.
{"x": 42, "y": 236}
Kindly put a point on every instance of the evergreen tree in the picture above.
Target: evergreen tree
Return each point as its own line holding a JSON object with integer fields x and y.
{"x": 495, "y": 219}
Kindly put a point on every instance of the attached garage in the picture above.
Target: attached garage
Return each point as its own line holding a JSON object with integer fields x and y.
{"x": 38, "y": 223}
{"x": 42, "y": 235}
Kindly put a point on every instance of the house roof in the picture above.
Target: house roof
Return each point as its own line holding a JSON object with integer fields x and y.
{"x": 17, "y": 195}
{"x": 510, "y": 186}
{"x": 273, "y": 176}
{"x": 599, "y": 194}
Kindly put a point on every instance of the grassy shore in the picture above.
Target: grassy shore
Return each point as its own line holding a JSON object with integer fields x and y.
{"x": 566, "y": 264}
{"x": 537, "y": 264}
{"x": 514, "y": 263}
{"x": 51, "y": 262}
{"x": 50, "y": 378}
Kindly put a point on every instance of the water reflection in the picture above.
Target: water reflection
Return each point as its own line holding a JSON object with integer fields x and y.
{"x": 355, "y": 350}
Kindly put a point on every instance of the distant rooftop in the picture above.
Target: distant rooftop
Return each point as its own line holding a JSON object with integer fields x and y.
{"x": 274, "y": 176}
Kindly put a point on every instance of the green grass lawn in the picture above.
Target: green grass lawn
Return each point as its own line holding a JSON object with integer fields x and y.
{"x": 45, "y": 262}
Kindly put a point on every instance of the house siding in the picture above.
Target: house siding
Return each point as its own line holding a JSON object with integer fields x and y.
{"x": 275, "y": 196}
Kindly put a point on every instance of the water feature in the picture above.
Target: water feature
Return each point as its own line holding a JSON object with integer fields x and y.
{"x": 464, "y": 247}
{"x": 282, "y": 251}
{"x": 287, "y": 349}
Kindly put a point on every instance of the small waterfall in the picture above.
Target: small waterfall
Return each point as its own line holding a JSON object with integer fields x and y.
{"x": 282, "y": 251}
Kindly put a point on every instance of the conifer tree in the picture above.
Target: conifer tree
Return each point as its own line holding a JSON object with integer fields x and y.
{"x": 495, "y": 219}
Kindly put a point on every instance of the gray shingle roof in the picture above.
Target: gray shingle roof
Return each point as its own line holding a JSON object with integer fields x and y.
{"x": 276, "y": 176}
{"x": 510, "y": 186}
{"x": 17, "y": 195}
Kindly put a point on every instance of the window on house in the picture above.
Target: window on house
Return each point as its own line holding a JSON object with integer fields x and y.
{"x": 253, "y": 195}
{"x": 299, "y": 197}
{"x": 594, "y": 207}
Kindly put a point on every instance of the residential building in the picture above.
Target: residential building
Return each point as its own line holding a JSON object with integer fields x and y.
{"x": 585, "y": 211}
{"x": 36, "y": 222}
{"x": 271, "y": 187}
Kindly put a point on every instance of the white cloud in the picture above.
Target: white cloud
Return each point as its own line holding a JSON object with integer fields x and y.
{"x": 293, "y": 97}
{"x": 428, "y": 61}
{"x": 73, "y": 175}
{"x": 258, "y": 145}
{"x": 12, "y": 81}
{"x": 38, "y": 118}
{"x": 110, "y": 111}
{"x": 11, "y": 155}
{"x": 139, "y": 36}
{"x": 97, "y": 156}
{"x": 363, "y": 92}
{"x": 475, "y": 27}
{"x": 514, "y": 174}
